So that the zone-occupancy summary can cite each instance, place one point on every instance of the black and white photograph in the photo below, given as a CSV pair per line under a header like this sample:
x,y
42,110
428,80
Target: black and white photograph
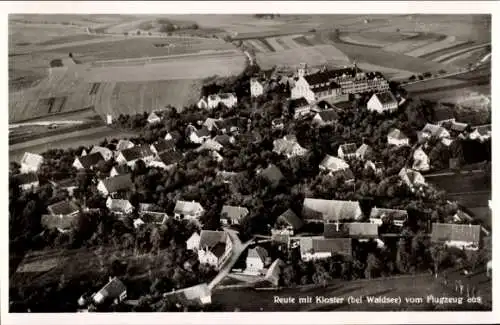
x,y
249,162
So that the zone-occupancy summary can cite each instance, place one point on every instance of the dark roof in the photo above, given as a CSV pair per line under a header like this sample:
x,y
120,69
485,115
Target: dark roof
x,y
386,97
122,169
328,75
456,232
330,230
137,152
298,102
346,173
63,207
329,115
348,148
291,218
90,159
272,174
61,222
170,157
203,132
328,86
235,213
210,238
320,244
68,182
164,145
153,217
113,289
118,183
231,122
27,178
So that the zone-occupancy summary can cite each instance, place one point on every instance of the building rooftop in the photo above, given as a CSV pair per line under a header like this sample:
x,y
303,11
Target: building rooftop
x,y
137,152
63,207
118,183
455,232
326,245
330,210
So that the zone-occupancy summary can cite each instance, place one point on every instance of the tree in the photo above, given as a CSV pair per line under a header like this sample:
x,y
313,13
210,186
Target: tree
x,y
155,238
138,32
373,266
438,254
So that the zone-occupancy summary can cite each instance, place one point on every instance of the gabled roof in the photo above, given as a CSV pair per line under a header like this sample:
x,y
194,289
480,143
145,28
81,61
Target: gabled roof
x,y
153,217
433,129
274,271
122,169
235,213
211,122
335,230
298,102
330,210
455,232
391,214
410,174
325,245
287,147
103,150
61,222
223,139
291,218
170,157
90,159
210,144
28,178
31,159
118,205
258,252
328,115
124,144
348,148
187,207
63,207
328,75
272,174
164,145
137,152
189,296
397,134
153,116
113,289
118,183
227,95
333,163
363,150
210,238
148,207
386,97
484,129
363,229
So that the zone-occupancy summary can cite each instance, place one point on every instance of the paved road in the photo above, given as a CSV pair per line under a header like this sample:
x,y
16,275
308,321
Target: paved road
x,y
238,248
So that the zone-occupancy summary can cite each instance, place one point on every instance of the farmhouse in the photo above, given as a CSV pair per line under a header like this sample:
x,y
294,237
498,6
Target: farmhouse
x,y
119,207
197,136
228,99
166,160
420,160
68,184
288,147
113,292
457,235
149,217
257,260
188,210
432,131
31,162
363,152
413,179
162,146
288,223
113,185
316,248
132,155
326,117
299,107
333,164
153,118
397,138
377,166
232,215
382,102
272,174
27,181
320,210
88,161
124,144
226,176
214,248
119,170
105,152
380,215
347,151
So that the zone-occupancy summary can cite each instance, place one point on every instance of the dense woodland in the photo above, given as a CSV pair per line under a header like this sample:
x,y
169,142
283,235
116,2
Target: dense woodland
x,y
195,178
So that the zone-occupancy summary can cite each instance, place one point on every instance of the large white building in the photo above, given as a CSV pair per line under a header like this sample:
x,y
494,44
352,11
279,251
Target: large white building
x,y
228,99
382,102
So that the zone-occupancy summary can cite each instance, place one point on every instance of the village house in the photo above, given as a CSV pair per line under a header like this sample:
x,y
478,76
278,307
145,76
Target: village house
x,y
68,184
362,230
161,146
363,152
166,160
214,248
481,133
113,292
153,118
196,296
432,131
326,117
420,160
333,165
380,215
150,217
413,179
106,153
211,123
62,216
119,206
272,174
397,138
317,248
224,139
377,166
210,144
226,176
232,125
288,223
228,99
189,210
197,136
202,103
124,144
299,107
27,181
88,161
119,170
31,162
320,210
462,236
347,151
461,216
193,242
382,102
257,260
288,147
113,185
132,155
175,136
456,129
274,272
261,83
232,215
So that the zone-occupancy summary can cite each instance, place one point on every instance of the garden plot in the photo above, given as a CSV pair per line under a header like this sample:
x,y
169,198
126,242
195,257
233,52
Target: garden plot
x,y
274,43
413,43
449,41
258,45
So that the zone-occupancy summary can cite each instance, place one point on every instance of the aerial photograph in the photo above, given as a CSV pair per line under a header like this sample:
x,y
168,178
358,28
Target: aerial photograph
x,y
263,162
